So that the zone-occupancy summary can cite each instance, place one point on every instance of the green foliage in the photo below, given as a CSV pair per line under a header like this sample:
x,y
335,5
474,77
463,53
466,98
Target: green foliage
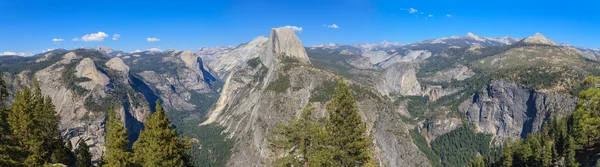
x,y
210,147
84,157
302,142
281,84
34,124
72,81
157,137
117,154
323,92
11,152
340,141
460,146
421,143
254,62
587,115
350,145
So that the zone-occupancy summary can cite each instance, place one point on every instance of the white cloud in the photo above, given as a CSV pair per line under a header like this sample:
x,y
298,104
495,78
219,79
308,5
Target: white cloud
x,y
333,26
57,40
430,16
152,39
155,50
137,51
94,37
412,10
449,15
294,28
75,39
116,37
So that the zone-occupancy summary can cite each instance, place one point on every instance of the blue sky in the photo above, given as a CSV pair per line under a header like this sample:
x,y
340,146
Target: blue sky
x,y
30,26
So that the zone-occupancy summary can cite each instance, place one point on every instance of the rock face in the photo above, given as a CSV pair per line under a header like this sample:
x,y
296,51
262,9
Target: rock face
x,y
87,68
179,87
284,45
400,79
118,65
224,59
458,73
507,110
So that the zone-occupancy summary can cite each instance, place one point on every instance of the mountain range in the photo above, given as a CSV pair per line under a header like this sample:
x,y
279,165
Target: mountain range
x,y
229,98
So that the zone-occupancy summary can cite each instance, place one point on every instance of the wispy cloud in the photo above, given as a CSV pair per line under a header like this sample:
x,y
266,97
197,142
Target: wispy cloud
x,y
449,15
335,26
99,36
116,37
412,10
75,39
429,15
57,40
152,39
294,28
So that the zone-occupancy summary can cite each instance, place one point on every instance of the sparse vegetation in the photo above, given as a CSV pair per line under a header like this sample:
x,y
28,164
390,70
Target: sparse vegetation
x,y
280,85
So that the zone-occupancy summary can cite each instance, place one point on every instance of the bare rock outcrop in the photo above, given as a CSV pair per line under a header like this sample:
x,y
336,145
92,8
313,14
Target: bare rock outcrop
x,y
399,78
507,110
87,68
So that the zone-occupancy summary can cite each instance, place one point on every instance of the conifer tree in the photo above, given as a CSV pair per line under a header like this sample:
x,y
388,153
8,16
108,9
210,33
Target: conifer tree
x,y
570,159
586,118
506,157
33,121
346,129
117,154
11,153
303,141
158,144
84,157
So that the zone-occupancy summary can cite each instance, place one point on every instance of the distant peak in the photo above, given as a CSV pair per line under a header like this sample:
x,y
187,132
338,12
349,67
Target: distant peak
x,y
538,38
473,36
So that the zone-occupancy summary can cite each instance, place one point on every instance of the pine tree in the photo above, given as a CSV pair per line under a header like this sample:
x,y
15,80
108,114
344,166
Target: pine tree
x,y
346,129
506,157
84,157
11,153
33,121
303,141
570,159
586,118
22,120
158,144
117,154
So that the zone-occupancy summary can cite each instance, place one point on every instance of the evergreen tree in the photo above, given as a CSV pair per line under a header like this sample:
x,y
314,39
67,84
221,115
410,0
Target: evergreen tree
x,y
303,142
587,114
33,121
158,144
84,157
117,154
11,153
22,122
506,157
350,145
